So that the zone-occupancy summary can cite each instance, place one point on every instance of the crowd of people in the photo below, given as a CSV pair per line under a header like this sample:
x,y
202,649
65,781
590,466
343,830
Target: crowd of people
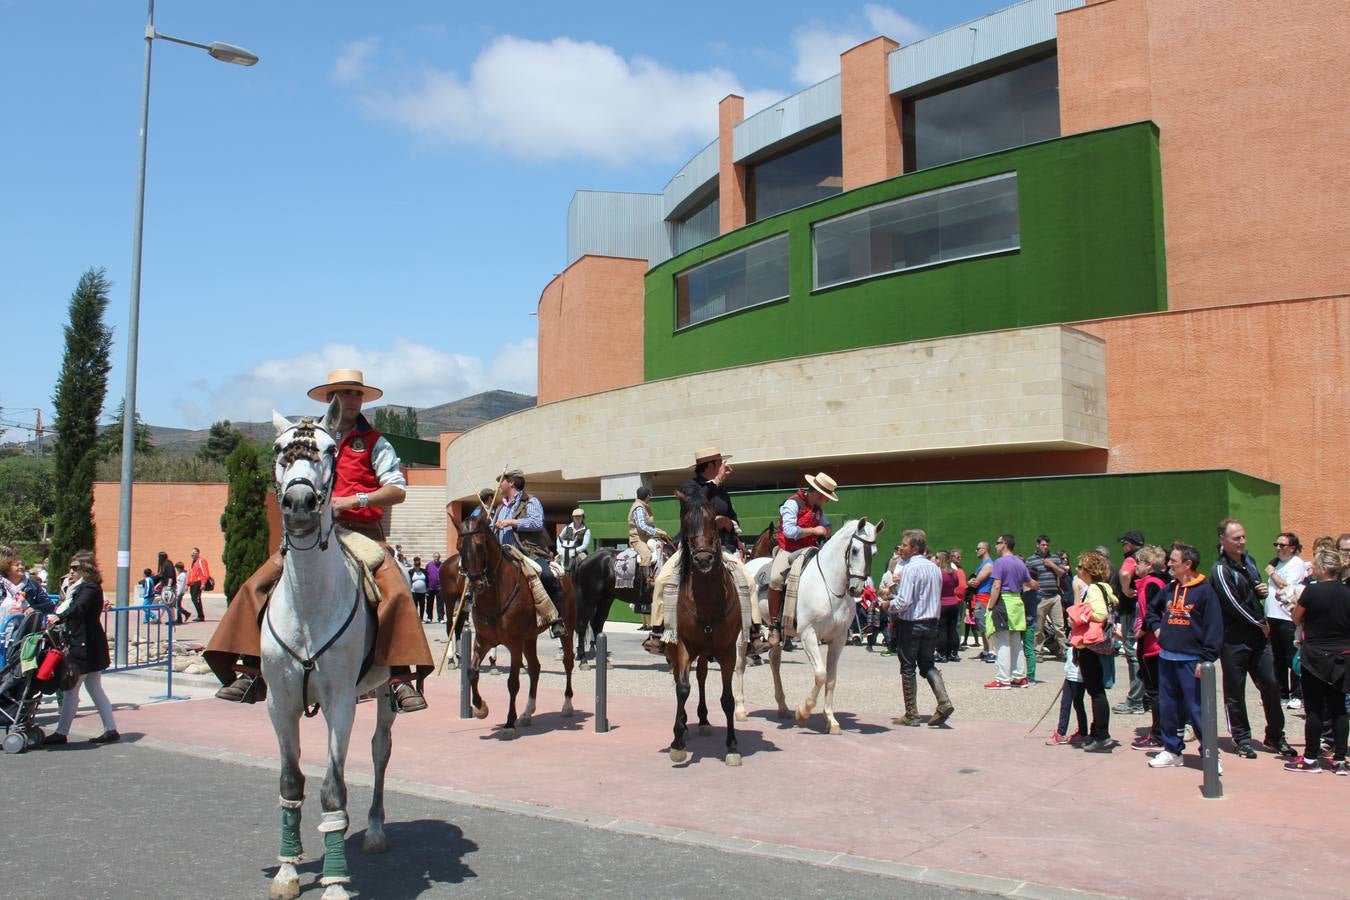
x,y
170,583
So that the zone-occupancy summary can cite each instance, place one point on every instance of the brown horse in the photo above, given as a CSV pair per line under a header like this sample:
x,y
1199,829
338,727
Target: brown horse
x,y
766,543
503,613
708,625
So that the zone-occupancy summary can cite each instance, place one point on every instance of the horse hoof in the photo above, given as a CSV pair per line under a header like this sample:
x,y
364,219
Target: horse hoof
x,y
733,759
567,709
705,730
801,717
284,890
374,842
742,715
835,729
783,712
609,663
524,721
584,665
507,734
480,712
679,756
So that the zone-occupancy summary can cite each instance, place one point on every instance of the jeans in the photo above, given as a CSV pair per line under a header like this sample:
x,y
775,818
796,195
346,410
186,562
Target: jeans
x,y
70,703
951,617
1050,618
1254,659
1090,665
1136,694
1071,700
980,612
1009,662
1282,651
918,641
1324,704
1179,699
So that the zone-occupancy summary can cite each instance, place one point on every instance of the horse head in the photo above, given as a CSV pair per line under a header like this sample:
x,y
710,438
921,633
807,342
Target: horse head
x,y
304,468
477,547
862,546
698,524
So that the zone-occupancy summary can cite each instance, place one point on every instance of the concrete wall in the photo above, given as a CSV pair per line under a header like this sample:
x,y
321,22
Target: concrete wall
x,y
172,517
590,328
1250,99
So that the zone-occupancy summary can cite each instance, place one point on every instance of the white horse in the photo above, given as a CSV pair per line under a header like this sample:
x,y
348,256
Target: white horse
x,y
826,596
317,633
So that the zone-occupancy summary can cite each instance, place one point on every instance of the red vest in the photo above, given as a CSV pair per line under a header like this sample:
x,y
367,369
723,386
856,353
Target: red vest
x,y
356,473
807,517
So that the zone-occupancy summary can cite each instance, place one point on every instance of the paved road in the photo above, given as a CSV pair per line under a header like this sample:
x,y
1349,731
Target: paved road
x,y
127,821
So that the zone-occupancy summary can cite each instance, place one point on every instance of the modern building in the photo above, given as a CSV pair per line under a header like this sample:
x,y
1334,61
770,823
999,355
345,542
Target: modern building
x,y
1075,267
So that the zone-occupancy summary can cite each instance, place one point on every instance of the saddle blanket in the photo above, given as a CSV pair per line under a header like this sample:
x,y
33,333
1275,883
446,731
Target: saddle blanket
x,y
369,554
799,561
625,568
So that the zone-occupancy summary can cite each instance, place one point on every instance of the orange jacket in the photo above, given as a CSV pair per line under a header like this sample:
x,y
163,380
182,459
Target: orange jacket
x,y
199,571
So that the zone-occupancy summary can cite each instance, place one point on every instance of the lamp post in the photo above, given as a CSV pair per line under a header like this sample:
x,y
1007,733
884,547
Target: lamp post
x,y
225,53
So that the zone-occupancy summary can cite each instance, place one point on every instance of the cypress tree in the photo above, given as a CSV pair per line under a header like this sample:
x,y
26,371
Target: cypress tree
x,y
244,521
80,390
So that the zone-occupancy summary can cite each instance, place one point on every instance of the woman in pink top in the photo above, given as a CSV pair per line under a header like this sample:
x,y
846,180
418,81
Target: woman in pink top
x,y
1148,586
951,609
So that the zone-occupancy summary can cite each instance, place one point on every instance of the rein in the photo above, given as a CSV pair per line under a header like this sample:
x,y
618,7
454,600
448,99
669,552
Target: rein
x,y
303,446
869,548
308,664
485,578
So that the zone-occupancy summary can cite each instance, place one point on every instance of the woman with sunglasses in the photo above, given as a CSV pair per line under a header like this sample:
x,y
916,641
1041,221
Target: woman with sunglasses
x,y
1285,575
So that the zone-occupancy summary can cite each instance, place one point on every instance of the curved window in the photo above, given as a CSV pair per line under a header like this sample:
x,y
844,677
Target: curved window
x,y
951,223
802,175
741,279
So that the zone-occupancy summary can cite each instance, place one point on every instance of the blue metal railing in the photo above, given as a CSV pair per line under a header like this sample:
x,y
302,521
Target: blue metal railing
x,y
151,629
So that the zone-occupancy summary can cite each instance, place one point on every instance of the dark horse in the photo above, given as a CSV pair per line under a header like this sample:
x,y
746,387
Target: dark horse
x,y
594,580
708,621
503,613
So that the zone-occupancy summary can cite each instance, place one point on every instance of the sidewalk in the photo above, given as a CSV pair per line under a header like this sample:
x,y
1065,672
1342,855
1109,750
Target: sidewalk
x,y
979,797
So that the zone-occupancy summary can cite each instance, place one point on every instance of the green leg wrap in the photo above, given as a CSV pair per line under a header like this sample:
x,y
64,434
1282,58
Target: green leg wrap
x,y
334,856
290,834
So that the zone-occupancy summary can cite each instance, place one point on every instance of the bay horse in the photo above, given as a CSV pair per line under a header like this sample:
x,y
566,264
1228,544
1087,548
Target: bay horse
x,y
503,613
595,583
708,625
827,593
766,543
318,634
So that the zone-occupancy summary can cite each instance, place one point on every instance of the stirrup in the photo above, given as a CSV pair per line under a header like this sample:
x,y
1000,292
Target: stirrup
x,y
244,689
758,643
654,644
406,699
557,628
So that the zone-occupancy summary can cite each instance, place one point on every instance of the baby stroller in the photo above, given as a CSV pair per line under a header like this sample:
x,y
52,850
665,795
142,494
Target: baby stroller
x,y
21,691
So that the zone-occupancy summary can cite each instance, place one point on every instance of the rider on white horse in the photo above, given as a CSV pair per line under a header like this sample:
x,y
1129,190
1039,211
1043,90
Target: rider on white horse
x,y
367,479
803,524
519,523
711,469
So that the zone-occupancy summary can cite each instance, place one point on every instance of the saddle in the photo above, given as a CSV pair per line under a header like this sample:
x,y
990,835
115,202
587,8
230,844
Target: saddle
x,y
796,563
369,555
625,568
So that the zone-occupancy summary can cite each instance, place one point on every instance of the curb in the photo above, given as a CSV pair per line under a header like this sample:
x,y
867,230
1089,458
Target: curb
x,y
985,884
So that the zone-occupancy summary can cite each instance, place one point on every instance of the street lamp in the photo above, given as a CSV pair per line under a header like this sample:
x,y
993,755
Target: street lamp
x,y
225,53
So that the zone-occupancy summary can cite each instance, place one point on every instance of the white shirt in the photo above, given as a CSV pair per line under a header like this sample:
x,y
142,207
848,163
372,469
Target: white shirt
x,y
1278,602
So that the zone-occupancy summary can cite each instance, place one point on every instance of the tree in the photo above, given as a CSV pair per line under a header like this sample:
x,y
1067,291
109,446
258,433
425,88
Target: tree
x,y
220,442
30,498
244,521
389,420
110,440
80,390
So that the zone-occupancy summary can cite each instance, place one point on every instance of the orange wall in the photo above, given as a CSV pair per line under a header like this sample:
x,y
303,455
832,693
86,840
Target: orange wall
x,y
169,517
1250,100
731,182
868,114
590,328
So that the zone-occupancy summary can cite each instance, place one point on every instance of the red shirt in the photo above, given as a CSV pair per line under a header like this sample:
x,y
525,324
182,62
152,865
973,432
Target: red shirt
x,y
356,473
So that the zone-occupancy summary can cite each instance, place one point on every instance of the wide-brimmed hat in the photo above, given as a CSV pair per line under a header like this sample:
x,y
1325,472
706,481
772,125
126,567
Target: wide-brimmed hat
x,y
823,484
579,512
345,380
707,454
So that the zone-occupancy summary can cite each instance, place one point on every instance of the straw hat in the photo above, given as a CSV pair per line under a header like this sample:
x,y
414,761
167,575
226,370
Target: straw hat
x,y
823,484
707,454
579,512
345,379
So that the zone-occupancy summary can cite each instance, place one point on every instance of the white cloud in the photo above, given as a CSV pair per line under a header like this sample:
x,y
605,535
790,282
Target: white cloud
x,y
817,47
410,374
564,99
351,64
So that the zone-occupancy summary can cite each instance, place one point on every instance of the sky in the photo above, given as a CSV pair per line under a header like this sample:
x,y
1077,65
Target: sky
x,y
386,189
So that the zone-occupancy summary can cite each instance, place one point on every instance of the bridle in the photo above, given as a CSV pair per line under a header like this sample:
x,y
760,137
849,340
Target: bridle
x,y
478,581
856,581
303,447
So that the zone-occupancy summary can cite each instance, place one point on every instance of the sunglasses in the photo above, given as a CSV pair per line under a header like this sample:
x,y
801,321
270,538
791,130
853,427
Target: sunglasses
x,y
1279,546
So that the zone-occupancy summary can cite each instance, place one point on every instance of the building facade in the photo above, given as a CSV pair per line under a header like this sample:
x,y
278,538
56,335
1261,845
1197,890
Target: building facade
x,y
1074,266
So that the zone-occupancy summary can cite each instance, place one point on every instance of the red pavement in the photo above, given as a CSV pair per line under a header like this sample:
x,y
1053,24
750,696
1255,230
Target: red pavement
x,y
978,797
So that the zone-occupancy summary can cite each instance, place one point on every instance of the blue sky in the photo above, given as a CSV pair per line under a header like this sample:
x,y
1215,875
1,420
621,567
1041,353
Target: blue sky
x,y
387,188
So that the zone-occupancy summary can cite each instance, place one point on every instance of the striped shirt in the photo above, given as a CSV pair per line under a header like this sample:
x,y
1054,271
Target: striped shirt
x,y
918,594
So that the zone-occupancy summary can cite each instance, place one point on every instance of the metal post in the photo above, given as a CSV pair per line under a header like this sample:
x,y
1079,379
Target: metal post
x,y
1209,737
133,338
601,677
168,660
465,660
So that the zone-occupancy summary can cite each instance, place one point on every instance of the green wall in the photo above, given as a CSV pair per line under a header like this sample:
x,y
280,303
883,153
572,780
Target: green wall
x,y
1090,209
1077,511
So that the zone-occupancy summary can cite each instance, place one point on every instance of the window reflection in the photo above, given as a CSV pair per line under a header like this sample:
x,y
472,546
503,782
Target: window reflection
x,y
747,277
800,176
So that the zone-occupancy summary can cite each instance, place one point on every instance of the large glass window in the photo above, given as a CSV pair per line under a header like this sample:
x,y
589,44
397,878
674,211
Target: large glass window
x,y
747,277
702,224
957,222
1008,109
800,176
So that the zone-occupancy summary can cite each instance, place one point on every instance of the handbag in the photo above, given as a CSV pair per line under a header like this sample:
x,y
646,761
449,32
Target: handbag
x,y
1099,637
210,583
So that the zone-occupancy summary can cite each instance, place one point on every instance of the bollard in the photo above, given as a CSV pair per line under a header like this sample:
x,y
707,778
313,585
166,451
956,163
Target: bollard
x,y
121,621
465,660
601,676
1209,737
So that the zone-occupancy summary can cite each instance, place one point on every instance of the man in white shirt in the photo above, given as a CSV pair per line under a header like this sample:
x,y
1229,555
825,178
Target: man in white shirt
x,y
916,607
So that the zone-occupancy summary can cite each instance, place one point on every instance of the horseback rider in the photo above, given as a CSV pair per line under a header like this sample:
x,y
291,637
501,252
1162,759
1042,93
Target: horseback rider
x,y
642,527
367,479
519,523
574,544
803,524
711,470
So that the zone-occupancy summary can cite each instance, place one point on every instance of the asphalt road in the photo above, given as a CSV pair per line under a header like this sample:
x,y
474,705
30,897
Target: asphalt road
x,y
123,821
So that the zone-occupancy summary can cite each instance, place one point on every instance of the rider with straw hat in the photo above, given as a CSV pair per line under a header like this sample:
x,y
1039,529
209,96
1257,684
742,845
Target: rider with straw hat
x,y
802,524
367,480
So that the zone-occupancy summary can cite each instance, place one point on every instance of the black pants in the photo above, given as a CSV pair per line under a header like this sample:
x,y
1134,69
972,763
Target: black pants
x,y
917,642
1071,700
1282,651
1323,703
195,590
1255,659
420,601
1148,677
435,604
948,624
1090,665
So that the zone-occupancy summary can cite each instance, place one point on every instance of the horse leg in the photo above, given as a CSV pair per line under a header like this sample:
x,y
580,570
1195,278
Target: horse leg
x,y
581,658
566,711
680,667
775,667
381,746
831,673
532,669
812,648
339,716
476,704
508,732
739,693
598,625
733,757
286,723
704,726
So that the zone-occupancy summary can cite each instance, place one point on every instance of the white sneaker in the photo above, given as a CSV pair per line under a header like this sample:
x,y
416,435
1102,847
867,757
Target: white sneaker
x,y
1295,703
1165,759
